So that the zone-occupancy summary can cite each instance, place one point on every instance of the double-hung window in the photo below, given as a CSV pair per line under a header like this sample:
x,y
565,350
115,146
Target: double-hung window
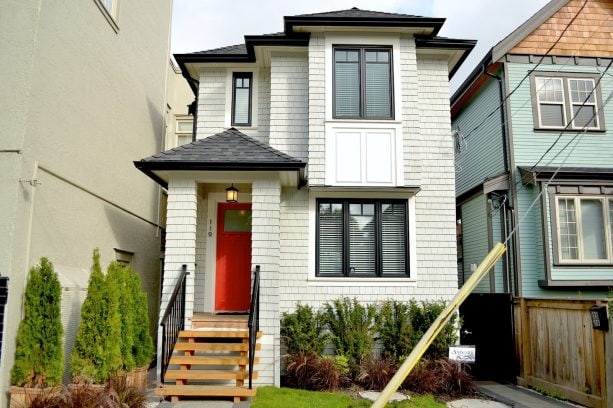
x,y
363,83
242,83
362,238
566,101
584,233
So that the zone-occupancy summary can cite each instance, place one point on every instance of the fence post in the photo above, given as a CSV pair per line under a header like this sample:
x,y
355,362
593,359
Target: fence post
x,y
526,342
607,391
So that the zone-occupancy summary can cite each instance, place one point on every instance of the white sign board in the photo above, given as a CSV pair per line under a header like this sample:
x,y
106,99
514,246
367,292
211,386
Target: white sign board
x,y
462,354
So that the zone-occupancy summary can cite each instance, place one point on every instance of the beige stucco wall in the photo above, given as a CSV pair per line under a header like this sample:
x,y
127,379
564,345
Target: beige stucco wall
x,y
83,101
178,96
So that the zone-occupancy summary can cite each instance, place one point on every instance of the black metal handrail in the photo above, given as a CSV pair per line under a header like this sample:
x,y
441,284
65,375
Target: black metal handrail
x,y
254,320
173,320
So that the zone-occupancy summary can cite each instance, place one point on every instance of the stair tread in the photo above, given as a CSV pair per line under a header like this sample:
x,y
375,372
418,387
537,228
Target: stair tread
x,y
184,346
205,391
211,360
208,375
216,333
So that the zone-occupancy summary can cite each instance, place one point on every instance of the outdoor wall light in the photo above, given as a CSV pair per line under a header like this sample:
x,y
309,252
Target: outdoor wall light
x,y
232,194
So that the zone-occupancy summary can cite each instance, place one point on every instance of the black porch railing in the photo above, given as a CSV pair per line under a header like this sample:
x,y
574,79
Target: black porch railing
x,y
254,321
173,320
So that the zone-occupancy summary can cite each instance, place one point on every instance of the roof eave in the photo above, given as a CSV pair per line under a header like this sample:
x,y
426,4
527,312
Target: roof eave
x,y
419,22
452,44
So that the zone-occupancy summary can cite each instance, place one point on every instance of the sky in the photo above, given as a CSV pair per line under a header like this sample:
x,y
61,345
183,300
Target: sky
x,y
205,24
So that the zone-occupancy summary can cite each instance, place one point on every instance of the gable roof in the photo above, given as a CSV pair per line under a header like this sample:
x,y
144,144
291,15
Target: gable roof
x,y
227,150
547,22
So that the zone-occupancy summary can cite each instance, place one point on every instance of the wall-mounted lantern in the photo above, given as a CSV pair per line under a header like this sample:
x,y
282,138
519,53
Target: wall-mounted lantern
x,y
232,194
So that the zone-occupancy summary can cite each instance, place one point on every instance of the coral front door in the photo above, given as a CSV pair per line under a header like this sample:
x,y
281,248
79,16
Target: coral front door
x,y
233,267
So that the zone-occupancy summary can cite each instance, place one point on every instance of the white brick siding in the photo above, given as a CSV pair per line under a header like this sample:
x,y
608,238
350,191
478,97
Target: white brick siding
x,y
289,104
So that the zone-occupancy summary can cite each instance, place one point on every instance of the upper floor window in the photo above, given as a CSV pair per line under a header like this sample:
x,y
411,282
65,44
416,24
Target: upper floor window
x,y
584,230
241,98
566,101
362,86
184,127
362,238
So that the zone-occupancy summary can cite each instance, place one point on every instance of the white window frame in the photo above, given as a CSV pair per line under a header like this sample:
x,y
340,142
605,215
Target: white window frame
x,y
348,281
594,104
567,103
607,200
182,118
539,103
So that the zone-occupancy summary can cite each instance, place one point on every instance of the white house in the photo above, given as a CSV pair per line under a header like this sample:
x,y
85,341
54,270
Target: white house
x,y
336,132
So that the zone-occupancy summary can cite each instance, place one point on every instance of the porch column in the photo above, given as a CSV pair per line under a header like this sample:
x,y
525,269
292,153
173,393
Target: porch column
x,y
181,222
266,201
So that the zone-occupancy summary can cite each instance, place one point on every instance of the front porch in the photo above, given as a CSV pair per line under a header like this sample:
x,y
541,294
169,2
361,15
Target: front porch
x,y
215,245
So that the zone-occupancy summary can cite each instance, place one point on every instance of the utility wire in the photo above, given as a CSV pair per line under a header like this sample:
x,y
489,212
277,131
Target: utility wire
x,y
529,71
559,167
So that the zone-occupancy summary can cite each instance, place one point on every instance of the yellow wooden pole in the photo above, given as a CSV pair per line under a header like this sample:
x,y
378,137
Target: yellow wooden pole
x,y
421,347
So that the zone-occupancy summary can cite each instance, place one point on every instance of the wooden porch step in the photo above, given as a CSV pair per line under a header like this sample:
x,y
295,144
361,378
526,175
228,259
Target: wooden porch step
x,y
205,391
201,334
208,375
211,360
214,346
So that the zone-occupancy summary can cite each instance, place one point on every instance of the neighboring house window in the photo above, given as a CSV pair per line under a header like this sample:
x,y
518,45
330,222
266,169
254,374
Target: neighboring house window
x,y
362,82
362,238
241,98
566,101
584,229
184,127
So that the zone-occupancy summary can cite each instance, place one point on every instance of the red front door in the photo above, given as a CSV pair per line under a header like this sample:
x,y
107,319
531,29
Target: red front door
x,y
233,275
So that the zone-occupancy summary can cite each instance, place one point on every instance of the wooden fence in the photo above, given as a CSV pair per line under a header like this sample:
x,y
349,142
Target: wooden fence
x,y
559,351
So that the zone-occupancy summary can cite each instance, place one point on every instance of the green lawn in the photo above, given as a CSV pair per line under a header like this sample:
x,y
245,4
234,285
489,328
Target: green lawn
x,y
273,397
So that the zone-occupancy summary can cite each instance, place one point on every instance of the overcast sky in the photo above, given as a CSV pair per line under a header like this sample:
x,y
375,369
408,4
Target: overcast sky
x,y
205,24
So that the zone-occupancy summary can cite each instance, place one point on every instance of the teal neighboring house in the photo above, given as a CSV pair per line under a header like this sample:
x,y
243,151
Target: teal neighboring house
x,y
543,162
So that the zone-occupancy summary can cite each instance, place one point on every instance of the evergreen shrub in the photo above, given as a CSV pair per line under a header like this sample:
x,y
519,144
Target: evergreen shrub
x,y
97,352
303,331
39,355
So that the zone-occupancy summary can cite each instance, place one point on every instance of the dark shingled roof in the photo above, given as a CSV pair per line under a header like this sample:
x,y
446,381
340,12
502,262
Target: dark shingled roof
x,y
229,50
357,13
228,150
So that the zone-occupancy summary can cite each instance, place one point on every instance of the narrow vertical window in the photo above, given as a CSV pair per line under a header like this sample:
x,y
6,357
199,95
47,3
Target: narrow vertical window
x,y
241,98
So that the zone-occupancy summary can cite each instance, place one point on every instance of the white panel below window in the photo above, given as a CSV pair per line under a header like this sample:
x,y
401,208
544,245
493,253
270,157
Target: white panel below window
x,y
380,161
364,154
348,157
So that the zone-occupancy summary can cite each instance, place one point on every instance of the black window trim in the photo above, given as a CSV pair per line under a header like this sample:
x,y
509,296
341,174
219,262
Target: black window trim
x,y
345,273
362,61
243,75
567,104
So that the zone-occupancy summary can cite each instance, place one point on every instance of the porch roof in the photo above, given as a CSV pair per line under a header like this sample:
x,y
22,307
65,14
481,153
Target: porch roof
x,y
225,151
